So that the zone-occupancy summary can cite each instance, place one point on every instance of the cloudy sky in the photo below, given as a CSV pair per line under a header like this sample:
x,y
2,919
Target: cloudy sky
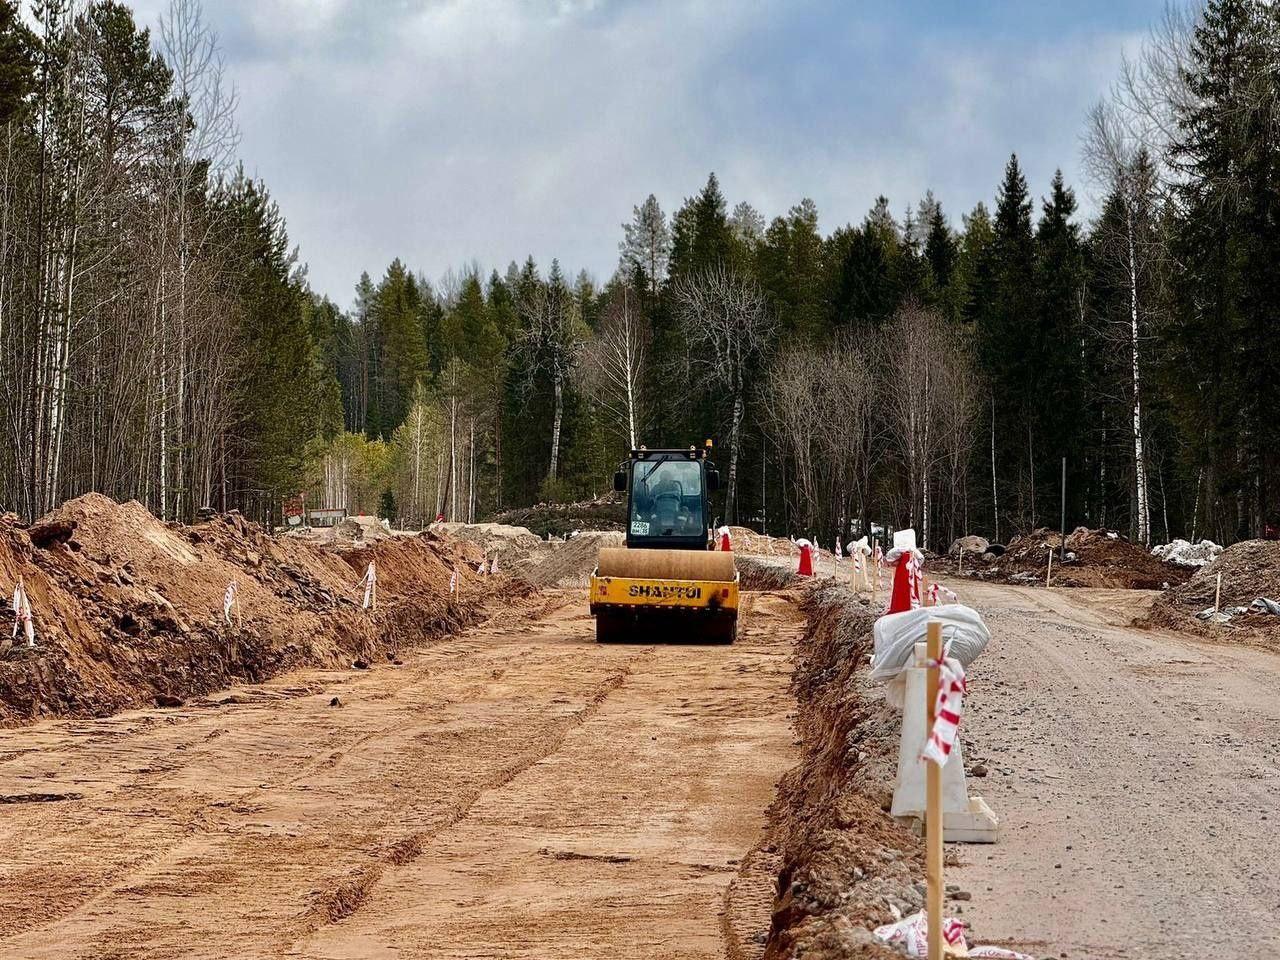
x,y
445,132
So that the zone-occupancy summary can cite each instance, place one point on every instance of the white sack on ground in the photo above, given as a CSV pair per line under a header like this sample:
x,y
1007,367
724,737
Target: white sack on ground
x,y
1187,554
964,637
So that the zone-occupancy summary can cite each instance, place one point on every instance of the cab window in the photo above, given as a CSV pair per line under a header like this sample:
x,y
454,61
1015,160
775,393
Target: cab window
x,y
666,499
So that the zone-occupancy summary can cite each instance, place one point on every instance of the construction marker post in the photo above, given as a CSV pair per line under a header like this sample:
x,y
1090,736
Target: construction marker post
x,y
1217,595
1048,574
933,801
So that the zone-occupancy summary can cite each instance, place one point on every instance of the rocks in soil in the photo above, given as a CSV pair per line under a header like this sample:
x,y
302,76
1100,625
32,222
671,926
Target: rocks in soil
x,y
969,545
1093,558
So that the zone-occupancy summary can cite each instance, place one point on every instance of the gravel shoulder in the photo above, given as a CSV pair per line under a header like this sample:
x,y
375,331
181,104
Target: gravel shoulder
x,y
1137,777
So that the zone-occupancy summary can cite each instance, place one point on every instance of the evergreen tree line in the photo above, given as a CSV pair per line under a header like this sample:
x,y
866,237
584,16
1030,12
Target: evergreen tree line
x,y
160,340
907,369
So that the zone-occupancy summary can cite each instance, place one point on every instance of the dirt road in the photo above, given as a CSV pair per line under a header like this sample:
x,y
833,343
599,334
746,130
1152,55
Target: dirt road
x,y
516,792
1137,776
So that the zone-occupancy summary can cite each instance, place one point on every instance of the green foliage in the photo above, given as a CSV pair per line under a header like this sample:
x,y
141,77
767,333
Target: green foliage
x,y
17,61
287,396
387,506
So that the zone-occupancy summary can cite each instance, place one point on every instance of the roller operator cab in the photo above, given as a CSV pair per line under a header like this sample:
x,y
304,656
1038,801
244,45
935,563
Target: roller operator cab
x,y
666,584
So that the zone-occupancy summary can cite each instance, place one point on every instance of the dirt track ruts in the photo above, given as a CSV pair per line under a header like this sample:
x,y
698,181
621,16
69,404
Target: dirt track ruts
x,y
517,791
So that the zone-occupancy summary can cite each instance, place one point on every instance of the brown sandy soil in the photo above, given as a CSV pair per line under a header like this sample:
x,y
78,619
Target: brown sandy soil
x,y
845,862
1249,569
129,610
1135,774
516,791
1102,559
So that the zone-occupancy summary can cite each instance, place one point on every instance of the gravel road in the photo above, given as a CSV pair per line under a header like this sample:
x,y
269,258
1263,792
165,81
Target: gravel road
x,y
1137,775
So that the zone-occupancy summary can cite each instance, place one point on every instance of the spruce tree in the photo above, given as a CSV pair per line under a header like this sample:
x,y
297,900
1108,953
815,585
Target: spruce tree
x,y
1006,338
1059,383
645,248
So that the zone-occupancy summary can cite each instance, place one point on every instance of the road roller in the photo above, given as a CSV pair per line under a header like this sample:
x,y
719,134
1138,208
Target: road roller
x,y
668,584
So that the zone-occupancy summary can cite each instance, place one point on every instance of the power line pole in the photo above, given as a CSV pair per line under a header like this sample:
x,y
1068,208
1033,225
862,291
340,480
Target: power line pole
x,y
1064,510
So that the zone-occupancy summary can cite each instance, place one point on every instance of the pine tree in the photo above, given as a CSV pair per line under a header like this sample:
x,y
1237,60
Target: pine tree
x,y
940,253
401,347
701,236
1226,233
646,245
17,61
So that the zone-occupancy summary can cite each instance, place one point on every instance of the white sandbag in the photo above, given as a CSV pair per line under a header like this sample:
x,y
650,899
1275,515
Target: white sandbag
x,y
964,637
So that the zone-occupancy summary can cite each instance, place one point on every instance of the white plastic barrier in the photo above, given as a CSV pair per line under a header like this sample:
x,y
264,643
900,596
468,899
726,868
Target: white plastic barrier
x,y
900,659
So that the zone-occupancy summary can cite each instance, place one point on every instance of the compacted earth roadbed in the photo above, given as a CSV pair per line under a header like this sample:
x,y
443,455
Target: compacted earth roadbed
x,y
516,791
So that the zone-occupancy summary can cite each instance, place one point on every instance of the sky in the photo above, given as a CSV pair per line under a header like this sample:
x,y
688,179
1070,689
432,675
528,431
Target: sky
x,y
452,132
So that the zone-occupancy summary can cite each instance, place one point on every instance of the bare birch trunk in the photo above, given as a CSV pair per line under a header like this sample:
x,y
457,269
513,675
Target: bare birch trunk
x,y
555,426
1139,457
731,489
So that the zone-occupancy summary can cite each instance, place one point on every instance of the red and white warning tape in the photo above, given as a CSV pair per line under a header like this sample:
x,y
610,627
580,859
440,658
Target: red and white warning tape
x,y
948,704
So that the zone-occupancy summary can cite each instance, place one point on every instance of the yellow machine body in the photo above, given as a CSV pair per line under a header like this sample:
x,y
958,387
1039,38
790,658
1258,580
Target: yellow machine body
x,y
654,595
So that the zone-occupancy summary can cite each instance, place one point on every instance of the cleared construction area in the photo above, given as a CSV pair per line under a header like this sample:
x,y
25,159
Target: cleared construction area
x,y
466,773
517,791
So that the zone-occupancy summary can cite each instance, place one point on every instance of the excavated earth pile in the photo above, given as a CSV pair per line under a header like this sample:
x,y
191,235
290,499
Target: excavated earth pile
x,y
567,564
129,609
1250,569
607,512
764,573
1095,558
845,862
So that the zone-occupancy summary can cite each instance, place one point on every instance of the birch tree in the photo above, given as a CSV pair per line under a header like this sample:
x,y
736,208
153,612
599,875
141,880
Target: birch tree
x,y
727,326
550,342
613,366
1133,247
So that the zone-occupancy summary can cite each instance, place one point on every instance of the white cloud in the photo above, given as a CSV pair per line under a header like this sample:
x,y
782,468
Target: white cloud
x,y
446,131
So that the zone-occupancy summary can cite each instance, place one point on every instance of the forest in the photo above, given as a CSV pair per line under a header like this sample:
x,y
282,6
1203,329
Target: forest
x,y
925,367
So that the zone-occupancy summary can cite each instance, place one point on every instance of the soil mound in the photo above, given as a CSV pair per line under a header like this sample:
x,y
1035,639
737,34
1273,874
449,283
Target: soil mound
x,y
1094,558
763,573
129,609
845,860
567,564
607,512
1250,569
512,544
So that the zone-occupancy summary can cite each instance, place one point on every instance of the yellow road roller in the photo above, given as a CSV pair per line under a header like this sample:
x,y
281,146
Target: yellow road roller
x,y
667,583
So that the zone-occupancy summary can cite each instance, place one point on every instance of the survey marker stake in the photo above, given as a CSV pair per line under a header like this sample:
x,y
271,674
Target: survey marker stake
x,y
933,800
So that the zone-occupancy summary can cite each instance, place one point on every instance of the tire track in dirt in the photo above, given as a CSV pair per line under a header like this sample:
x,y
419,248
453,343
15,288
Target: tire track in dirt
x,y
337,904
278,825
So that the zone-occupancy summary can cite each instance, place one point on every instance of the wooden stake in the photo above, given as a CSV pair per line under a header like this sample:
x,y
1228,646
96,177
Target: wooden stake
x,y
1048,575
933,802
1217,595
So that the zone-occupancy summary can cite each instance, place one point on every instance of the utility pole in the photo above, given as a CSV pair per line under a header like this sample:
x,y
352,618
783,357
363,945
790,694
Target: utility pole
x,y
1063,557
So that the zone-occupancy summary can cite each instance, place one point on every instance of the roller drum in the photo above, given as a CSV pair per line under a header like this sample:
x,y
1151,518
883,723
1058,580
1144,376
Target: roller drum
x,y
666,564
